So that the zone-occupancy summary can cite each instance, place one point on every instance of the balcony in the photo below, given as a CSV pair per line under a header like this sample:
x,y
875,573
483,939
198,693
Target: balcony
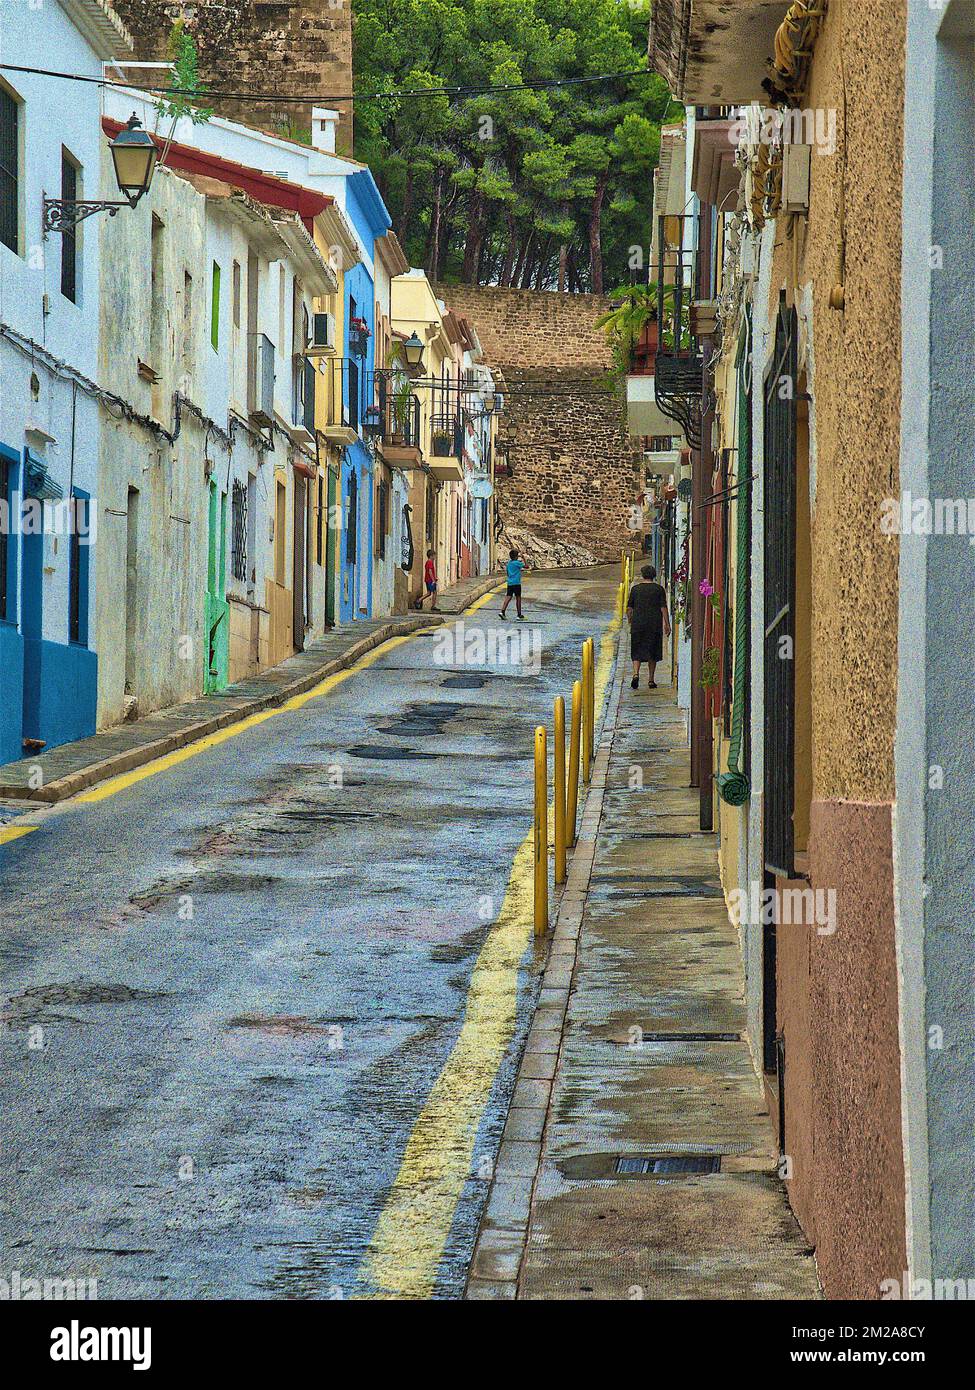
x,y
394,419
343,401
447,448
714,52
678,381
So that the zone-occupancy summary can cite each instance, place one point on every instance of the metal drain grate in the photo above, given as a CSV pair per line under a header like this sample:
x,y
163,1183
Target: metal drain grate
x,y
689,1037
646,1165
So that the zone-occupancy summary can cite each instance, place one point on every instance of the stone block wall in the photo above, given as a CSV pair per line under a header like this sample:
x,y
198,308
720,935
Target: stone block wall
x,y
574,471
284,48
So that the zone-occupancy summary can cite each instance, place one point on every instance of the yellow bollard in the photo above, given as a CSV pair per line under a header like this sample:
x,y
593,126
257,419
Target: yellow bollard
x,y
541,833
572,791
588,708
558,754
623,566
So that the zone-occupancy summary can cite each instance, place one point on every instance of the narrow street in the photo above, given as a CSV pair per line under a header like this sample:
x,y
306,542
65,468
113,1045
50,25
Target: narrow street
x,y
231,986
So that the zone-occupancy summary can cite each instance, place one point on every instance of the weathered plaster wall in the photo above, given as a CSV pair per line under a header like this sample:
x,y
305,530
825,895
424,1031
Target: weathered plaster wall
x,y
837,995
857,411
278,47
574,471
165,661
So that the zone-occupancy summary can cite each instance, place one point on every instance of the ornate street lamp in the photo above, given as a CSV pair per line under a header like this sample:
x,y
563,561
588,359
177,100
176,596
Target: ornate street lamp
x,y
134,154
413,350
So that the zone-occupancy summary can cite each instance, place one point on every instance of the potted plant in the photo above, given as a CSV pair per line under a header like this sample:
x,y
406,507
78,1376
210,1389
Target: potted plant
x,y
359,336
632,327
400,412
443,445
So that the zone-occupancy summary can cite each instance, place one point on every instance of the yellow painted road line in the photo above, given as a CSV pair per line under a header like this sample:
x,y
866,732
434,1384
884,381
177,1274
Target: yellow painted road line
x,y
181,755
480,602
408,1243
14,832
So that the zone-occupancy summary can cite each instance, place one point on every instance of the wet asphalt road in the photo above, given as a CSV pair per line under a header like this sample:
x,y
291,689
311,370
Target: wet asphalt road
x,y
229,988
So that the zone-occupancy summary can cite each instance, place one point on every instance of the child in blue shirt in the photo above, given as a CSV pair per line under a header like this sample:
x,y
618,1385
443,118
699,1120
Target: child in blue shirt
x,y
513,572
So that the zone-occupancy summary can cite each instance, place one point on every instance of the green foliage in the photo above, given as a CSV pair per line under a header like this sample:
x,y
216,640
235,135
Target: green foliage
x,y
511,187
183,94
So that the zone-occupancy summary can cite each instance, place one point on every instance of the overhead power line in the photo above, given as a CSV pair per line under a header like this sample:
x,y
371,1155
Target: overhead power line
x,y
329,98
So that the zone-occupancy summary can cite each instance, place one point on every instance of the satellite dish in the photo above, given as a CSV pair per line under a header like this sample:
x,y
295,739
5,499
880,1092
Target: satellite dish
x,y
480,487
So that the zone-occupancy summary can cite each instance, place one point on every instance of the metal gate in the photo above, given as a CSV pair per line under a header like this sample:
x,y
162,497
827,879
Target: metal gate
x,y
780,593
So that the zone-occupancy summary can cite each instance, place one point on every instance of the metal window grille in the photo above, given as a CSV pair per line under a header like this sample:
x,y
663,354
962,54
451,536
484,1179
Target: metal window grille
x,y
5,498
69,235
238,532
9,169
780,594
352,521
383,500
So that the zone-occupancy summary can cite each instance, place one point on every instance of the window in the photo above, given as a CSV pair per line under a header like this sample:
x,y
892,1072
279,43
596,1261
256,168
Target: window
x,y
215,308
238,541
157,302
236,293
780,594
352,521
382,518
320,522
187,322
282,315
6,489
69,237
9,169
280,533
78,557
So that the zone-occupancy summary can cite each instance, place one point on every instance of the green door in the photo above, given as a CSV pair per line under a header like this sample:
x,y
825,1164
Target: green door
x,y
217,614
331,549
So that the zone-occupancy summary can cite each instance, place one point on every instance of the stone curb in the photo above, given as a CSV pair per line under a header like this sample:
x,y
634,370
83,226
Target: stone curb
x,y
131,758
503,1230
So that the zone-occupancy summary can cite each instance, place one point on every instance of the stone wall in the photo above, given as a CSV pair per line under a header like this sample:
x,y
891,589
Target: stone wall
x,y
574,473
533,328
284,47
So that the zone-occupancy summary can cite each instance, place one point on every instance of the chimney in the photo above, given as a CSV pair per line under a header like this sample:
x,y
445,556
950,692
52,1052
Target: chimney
x,y
324,123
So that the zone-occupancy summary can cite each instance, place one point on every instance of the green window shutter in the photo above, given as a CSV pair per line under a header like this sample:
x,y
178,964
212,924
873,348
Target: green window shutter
x,y
215,309
734,786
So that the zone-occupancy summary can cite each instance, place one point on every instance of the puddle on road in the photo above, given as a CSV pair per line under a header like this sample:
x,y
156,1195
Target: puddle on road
x,y
376,752
34,1005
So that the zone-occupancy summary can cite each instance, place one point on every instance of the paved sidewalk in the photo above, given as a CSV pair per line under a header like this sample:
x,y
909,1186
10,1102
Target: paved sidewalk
x,y
643,952
71,767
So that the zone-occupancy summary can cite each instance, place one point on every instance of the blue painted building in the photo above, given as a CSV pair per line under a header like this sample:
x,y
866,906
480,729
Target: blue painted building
x,y
366,211
50,416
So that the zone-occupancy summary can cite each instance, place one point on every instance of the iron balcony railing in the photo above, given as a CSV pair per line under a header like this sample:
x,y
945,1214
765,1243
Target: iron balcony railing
x,y
679,365
447,435
345,396
393,414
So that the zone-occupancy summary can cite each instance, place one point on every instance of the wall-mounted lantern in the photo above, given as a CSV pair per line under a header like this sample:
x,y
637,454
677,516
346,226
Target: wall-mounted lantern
x,y
413,350
134,155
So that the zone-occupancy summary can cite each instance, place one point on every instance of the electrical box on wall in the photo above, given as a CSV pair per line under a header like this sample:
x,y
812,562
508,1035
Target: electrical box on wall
x,y
795,178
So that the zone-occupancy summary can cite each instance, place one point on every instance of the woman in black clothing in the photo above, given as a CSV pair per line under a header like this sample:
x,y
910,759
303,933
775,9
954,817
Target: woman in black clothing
x,y
649,622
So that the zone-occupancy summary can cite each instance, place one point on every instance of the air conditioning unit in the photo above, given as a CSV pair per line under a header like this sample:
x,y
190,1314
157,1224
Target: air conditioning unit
x,y
795,178
322,335
263,409
749,257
